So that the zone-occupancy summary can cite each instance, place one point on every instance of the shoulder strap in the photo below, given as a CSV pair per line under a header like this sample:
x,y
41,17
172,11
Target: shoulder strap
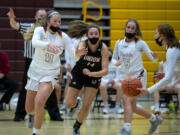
x,y
45,29
59,33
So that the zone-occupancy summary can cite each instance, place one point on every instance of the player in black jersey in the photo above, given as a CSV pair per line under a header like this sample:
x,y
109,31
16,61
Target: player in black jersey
x,y
88,71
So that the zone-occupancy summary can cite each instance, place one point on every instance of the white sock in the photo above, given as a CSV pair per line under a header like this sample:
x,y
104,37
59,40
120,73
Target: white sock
x,y
118,104
105,103
36,131
127,126
156,105
153,117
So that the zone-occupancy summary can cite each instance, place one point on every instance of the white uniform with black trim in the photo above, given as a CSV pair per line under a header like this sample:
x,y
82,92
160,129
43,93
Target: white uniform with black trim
x,y
45,65
111,73
172,69
130,53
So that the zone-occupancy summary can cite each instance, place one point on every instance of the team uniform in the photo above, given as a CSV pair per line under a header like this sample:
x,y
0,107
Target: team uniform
x,y
111,75
172,68
130,53
68,57
45,65
91,61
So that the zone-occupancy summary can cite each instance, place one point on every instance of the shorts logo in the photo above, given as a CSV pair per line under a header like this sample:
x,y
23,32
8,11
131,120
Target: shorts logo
x,y
94,81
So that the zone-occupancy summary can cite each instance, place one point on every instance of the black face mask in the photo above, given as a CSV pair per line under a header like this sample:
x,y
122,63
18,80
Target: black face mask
x,y
130,35
93,40
110,58
54,29
158,42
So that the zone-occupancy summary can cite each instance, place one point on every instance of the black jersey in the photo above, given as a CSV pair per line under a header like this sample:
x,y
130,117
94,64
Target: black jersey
x,y
91,61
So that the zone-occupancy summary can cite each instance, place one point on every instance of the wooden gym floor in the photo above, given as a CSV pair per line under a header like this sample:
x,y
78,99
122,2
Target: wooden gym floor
x,y
96,124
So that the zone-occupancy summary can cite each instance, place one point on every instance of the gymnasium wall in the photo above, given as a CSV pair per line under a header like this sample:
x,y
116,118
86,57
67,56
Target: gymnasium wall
x,y
10,40
149,14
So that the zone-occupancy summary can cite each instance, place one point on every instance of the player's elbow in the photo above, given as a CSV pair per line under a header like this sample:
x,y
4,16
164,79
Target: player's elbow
x,y
105,71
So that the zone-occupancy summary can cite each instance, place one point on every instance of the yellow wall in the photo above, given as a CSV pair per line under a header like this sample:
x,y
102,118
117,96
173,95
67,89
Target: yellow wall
x,y
149,14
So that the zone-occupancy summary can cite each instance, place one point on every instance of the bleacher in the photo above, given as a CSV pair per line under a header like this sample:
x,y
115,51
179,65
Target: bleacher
x,y
149,14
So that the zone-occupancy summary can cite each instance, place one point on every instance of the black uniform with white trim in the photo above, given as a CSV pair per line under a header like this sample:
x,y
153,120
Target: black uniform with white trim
x,y
91,61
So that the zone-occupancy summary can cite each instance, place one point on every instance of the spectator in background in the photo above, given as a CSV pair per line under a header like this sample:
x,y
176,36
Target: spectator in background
x,y
28,54
7,83
109,80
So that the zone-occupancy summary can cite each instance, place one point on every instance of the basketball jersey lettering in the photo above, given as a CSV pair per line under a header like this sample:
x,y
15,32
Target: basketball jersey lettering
x,y
49,58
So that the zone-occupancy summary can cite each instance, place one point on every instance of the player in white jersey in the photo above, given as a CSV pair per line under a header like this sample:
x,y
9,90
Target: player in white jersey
x,y
169,86
165,35
109,80
128,54
49,43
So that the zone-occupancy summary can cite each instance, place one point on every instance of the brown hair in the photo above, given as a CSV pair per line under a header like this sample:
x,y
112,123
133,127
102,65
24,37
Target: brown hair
x,y
138,31
168,32
78,28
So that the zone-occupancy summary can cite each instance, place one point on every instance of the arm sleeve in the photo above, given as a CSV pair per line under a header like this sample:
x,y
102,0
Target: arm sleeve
x,y
36,39
171,57
146,49
69,46
67,58
115,55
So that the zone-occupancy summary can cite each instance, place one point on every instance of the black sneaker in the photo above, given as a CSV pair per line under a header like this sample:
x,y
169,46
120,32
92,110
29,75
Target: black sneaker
x,y
57,119
1,107
18,118
35,134
75,131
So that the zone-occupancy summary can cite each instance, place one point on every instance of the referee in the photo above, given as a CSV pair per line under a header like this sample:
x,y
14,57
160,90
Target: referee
x,y
51,104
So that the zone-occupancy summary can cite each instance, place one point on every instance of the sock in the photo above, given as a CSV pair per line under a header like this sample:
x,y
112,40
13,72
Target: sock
x,y
156,105
153,117
118,104
105,103
77,125
127,126
35,131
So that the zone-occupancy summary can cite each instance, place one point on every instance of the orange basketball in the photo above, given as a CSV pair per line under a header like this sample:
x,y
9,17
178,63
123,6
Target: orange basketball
x,y
130,85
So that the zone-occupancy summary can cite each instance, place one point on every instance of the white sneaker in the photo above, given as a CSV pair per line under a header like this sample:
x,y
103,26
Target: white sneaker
x,y
30,121
155,124
120,110
124,132
106,109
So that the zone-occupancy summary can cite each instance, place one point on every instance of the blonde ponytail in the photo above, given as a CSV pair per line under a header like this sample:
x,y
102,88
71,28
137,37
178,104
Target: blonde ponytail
x,y
29,34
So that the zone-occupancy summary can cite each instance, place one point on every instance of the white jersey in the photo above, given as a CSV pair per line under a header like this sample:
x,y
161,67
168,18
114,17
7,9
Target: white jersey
x,y
172,68
111,75
68,57
165,68
45,62
130,53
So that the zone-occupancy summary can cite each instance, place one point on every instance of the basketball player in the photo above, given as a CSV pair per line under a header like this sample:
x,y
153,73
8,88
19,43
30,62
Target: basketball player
x,y
69,66
110,81
128,53
49,42
87,73
51,104
165,35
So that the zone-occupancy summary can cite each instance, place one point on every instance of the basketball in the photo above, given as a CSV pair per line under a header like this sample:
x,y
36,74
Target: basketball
x,y
130,85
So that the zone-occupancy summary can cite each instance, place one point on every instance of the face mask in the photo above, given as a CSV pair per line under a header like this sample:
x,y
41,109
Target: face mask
x,y
93,40
129,35
110,58
158,42
54,29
